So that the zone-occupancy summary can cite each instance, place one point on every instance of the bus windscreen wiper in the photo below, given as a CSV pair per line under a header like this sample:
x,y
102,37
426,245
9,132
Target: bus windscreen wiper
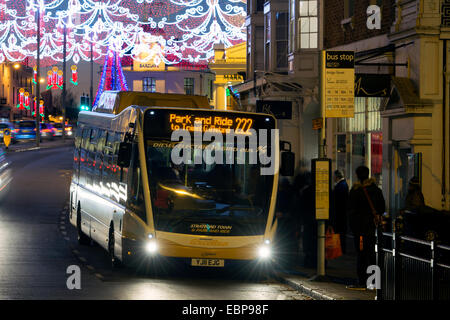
x,y
234,208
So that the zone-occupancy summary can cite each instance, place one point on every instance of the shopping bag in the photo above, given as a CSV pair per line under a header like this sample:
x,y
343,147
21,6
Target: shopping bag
x,y
333,248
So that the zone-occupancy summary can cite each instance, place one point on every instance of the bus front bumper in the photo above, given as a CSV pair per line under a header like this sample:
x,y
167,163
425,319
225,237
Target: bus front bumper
x,y
138,251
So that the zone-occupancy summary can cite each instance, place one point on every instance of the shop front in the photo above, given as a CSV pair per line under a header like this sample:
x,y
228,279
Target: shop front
x,y
359,140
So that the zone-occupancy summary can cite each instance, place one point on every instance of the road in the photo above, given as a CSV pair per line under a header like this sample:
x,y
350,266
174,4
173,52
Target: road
x,y
37,244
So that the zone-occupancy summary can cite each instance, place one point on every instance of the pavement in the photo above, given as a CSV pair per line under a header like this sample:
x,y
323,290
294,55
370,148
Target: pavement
x,y
340,273
31,145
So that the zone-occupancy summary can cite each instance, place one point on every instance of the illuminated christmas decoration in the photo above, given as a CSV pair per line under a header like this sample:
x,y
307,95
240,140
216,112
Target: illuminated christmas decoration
x,y
186,30
60,79
35,75
112,77
27,100
74,78
41,109
54,78
21,104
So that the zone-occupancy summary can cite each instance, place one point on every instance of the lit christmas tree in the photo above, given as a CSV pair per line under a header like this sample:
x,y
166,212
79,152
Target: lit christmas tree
x,y
112,75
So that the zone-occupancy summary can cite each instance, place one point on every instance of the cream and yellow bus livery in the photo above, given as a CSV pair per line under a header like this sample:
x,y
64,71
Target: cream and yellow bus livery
x,y
131,198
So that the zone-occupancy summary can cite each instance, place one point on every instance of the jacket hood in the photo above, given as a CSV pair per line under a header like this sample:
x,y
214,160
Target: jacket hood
x,y
365,183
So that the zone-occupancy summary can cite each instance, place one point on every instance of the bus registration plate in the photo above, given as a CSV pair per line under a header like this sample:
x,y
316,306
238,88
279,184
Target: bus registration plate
x,y
208,262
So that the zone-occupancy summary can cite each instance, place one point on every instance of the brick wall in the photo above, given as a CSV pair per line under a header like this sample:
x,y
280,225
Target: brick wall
x,y
334,35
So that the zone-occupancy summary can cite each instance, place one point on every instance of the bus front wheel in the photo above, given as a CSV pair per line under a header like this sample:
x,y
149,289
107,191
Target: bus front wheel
x,y
111,245
82,238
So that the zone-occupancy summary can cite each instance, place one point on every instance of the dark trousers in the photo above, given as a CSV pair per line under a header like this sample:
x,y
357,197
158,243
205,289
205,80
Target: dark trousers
x,y
365,257
343,237
309,239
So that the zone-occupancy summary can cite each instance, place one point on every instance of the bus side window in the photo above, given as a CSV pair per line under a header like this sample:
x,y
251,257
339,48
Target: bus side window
x,y
108,169
114,176
121,173
76,155
136,193
78,138
91,158
83,155
98,160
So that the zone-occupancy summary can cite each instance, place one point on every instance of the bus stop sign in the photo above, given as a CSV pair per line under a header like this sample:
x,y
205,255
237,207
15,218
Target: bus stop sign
x,y
7,137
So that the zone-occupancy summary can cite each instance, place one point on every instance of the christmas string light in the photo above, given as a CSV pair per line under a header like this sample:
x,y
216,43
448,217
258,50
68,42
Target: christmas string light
x,y
186,30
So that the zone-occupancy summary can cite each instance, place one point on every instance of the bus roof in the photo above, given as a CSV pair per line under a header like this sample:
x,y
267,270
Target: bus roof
x,y
116,101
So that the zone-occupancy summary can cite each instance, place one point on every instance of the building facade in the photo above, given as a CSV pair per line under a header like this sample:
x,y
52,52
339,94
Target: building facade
x,y
13,77
400,127
196,80
284,39
229,66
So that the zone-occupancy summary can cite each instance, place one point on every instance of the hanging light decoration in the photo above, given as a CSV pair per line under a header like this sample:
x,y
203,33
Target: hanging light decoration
x,y
74,78
27,100
186,29
21,104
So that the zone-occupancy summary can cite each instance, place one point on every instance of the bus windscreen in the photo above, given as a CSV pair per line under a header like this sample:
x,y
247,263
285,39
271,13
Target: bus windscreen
x,y
215,198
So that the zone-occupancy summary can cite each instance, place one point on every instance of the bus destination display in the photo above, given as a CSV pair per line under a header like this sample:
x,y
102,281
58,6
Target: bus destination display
x,y
222,124
162,122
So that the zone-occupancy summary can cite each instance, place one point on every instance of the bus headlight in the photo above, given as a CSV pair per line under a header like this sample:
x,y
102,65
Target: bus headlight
x,y
265,252
151,247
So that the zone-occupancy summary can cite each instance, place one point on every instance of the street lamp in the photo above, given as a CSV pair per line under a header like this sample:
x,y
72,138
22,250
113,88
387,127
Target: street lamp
x,y
16,65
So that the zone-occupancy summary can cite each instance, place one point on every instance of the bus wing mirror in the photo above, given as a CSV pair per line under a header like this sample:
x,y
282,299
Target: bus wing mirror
x,y
287,163
124,156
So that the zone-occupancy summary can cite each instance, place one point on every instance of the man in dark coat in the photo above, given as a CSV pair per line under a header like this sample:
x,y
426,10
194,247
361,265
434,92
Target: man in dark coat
x,y
365,206
338,217
307,218
287,247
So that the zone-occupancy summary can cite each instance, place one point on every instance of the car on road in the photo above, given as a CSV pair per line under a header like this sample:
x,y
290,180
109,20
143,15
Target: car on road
x,y
58,129
7,125
25,130
47,131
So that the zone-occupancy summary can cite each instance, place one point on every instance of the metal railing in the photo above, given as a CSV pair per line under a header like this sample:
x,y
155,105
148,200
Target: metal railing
x,y
412,269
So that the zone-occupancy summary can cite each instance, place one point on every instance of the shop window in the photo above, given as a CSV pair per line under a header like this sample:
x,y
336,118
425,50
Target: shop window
x,y
358,153
189,86
149,85
341,155
376,148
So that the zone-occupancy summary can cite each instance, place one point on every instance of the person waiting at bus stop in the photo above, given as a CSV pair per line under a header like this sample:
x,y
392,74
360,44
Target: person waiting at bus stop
x,y
286,230
307,218
338,214
365,208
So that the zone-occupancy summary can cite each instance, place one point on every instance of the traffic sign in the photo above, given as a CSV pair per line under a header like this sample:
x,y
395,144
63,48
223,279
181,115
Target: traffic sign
x,y
317,123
